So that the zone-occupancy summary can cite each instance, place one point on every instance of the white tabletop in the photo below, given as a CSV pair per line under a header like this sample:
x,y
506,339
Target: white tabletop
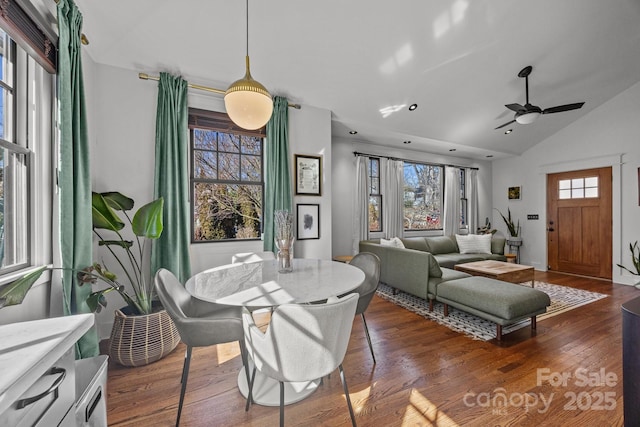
x,y
258,284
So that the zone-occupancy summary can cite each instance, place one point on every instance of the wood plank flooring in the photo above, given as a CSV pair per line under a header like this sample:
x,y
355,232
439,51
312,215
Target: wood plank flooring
x,y
426,375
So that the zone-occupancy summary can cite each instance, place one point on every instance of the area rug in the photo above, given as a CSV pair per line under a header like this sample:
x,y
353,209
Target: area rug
x,y
563,299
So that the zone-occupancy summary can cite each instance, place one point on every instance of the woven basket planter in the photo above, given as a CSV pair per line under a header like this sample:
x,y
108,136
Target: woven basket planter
x,y
142,339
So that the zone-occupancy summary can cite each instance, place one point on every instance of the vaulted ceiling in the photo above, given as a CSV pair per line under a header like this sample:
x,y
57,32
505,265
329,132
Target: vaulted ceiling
x,y
367,60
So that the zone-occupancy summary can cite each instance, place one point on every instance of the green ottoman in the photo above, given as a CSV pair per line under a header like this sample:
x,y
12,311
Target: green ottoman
x,y
494,300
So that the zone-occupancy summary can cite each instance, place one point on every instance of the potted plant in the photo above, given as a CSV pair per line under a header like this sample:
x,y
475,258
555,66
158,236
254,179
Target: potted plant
x,y
635,260
156,335
514,229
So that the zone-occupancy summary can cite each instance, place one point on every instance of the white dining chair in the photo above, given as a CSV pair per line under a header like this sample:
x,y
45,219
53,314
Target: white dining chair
x,y
303,342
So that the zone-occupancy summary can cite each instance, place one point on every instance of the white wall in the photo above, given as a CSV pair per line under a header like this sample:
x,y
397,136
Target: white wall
x,y
344,170
123,150
605,136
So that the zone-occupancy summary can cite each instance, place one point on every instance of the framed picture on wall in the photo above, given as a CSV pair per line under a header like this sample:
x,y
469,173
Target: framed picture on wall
x,y
308,221
514,193
308,173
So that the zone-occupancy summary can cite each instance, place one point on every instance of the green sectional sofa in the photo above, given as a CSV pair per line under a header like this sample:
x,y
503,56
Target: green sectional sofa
x,y
425,262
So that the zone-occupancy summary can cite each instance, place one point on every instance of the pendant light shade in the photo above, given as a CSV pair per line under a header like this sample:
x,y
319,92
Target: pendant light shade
x,y
248,103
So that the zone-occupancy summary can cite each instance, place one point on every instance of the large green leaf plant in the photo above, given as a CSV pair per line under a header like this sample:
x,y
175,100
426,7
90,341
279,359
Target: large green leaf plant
x,y
146,224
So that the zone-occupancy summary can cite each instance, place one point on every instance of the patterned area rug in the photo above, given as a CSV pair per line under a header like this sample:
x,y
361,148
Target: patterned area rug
x,y
563,299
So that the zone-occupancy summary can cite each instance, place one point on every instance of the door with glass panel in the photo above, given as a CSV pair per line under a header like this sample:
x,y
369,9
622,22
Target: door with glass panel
x,y
579,223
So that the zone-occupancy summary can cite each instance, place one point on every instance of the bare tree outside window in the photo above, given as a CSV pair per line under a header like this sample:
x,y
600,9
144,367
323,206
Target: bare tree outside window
x,y
227,183
423,192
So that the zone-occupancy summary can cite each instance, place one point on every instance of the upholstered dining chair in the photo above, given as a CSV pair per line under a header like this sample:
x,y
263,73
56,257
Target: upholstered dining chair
x,y
303,342
199,323
252,257
369,263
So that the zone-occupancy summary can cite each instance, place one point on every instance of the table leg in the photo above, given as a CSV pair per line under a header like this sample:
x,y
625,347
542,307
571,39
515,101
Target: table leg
x,y
266,391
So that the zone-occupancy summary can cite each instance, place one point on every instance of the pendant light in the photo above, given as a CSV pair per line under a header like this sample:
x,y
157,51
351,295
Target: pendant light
x,y
248,103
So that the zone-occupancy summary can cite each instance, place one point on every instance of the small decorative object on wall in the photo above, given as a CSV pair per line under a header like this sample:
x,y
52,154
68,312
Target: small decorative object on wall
x,y
308,217
308,175
515,193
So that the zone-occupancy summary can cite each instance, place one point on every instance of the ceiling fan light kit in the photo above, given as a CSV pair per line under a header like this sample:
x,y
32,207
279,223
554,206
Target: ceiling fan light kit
x,y
528,113
248,103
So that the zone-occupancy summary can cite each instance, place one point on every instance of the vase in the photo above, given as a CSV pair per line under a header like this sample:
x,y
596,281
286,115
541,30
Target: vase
x,y
138,340
284,255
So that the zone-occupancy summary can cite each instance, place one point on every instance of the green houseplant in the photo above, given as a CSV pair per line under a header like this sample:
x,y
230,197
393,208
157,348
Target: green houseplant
x,y
514,229
145,224
142,331
635,260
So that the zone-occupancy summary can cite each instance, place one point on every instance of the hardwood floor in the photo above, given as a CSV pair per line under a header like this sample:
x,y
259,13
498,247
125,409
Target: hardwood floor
x,y
426,375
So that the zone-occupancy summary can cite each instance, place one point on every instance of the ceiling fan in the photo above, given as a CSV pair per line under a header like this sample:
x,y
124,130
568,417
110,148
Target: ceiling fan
x,y
529,113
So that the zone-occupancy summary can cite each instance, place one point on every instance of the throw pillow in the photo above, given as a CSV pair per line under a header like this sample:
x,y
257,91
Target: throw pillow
x,y
474,243
394,242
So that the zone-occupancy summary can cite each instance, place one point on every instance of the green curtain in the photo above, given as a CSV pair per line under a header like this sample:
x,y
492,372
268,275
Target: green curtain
x,y
171,250
277,194
74,179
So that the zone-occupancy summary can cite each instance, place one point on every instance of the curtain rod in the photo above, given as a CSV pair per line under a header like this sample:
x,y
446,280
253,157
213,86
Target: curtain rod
x,y
145,76
356,153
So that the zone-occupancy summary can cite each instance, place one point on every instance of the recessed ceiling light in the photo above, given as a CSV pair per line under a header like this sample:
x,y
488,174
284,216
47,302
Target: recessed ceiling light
x,y
406,142
508,131
490,155
452,149
353,132
413,107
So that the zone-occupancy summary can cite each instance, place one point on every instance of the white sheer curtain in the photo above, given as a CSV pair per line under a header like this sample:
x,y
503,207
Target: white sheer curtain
x,y
392,197
471,187
451,200
361,203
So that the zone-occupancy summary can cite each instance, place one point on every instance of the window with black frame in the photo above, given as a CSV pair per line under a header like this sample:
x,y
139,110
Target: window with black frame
x,y
227,181
375,196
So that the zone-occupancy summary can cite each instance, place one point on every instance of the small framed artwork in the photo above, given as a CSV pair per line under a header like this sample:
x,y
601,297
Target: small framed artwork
x,y
308,175
515,193
308,218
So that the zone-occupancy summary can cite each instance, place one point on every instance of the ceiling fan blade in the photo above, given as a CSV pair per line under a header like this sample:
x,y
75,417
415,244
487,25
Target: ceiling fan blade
x,y
561,108
506,124
515,107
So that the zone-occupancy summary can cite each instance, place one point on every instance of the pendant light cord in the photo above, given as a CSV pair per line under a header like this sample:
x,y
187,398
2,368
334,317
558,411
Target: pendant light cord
x,y
247,3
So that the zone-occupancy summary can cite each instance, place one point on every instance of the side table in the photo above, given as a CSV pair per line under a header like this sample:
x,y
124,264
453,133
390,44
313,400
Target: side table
x,y
343,258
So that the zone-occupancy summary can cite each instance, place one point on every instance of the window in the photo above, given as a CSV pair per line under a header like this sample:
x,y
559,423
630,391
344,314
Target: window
x,y
14,167
463,199
226,178
578,188
423,195
375,198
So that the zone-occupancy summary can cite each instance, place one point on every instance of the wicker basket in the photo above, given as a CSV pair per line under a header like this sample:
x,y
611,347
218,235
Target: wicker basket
x,y
142,339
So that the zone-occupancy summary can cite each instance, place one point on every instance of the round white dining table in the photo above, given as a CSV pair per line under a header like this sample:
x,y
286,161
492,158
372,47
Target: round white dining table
x,y
258,284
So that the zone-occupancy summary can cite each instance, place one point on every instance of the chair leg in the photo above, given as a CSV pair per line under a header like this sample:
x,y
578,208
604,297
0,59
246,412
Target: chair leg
x,y
250,393
245,359
183,380
346,394
366,330
281,404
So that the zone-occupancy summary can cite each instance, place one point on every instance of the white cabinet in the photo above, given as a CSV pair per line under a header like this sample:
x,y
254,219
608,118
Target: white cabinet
x,y
37,370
